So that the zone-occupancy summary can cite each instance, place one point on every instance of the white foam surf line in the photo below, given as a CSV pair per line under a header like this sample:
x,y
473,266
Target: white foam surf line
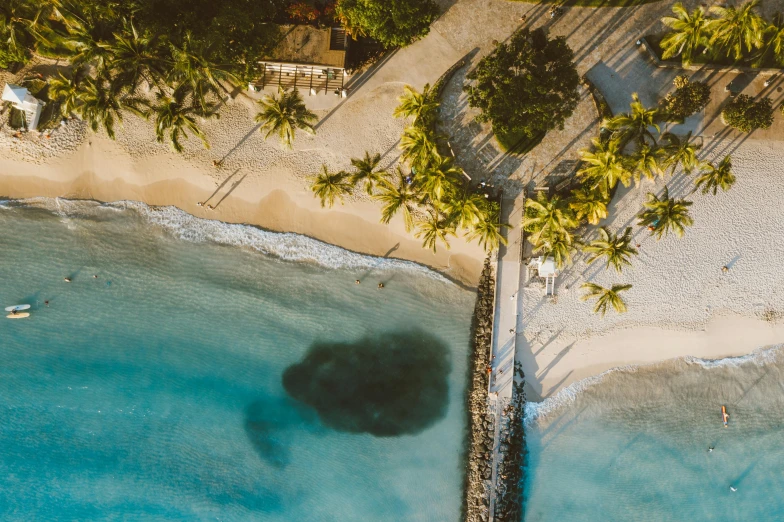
x,y
283,245
537,410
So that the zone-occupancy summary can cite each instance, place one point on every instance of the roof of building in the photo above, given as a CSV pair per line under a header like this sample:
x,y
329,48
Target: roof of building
x,y
14,93
308,45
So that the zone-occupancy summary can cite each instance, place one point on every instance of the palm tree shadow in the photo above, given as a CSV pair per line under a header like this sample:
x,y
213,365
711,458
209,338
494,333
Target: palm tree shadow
x,y
239,144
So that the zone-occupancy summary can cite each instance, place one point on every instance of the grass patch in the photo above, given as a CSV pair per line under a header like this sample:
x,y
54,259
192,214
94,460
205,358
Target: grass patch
x,y
518,143
590,3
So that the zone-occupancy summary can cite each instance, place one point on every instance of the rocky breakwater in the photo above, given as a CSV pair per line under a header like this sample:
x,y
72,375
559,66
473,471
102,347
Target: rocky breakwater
x,y
481,423
509,486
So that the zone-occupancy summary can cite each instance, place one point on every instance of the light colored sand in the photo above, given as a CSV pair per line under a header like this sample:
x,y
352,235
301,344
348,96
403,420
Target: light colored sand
x,y
681,302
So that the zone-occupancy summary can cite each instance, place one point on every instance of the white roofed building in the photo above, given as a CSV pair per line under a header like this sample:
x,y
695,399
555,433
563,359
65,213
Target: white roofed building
x,y
22,100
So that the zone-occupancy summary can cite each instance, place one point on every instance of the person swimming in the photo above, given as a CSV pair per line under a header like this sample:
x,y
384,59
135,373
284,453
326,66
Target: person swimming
x,y
710,449
733,489
67,279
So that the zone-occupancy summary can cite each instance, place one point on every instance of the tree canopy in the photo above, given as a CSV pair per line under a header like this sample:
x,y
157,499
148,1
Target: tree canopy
x,y
525,87
394,23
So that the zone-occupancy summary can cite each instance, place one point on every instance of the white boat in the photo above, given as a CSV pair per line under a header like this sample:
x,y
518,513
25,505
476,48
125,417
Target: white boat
x,y
17,308
18,315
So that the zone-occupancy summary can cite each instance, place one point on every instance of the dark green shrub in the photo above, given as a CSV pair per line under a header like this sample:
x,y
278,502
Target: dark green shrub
x,y
747,115
393,23
687,99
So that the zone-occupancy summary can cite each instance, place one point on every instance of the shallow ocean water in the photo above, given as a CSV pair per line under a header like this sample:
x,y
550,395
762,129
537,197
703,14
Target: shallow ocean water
x,y
155,391
633,444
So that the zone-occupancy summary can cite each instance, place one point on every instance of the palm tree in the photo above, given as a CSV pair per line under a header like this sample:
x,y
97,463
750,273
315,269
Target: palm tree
x,y
99,104
635,124
605,297
418,106
714,177
466,209
664,215
135,57
434,228
772,49
191,66
86,39
328,186
605,166
489,229
67,91
175,115
646,161
559,246
18,21
680,152
736,29
438,177
418,146
284,114
546,218
689,33
366,171
616,249
397,197
589,204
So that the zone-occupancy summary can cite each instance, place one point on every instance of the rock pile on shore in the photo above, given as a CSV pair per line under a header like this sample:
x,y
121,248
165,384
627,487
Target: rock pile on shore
x,y
480,421
36,146
509,493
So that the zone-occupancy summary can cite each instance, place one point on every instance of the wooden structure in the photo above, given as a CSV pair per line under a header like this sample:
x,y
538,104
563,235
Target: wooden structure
x,y
307,58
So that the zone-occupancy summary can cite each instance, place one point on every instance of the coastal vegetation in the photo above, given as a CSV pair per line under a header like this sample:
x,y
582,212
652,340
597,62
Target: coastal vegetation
x,y
663,214
746,115
688,98
605,297
525,88
724,34
432,194
284,114
393,23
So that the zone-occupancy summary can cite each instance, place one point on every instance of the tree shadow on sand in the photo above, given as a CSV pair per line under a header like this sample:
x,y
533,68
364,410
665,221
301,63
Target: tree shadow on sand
x,y
388,385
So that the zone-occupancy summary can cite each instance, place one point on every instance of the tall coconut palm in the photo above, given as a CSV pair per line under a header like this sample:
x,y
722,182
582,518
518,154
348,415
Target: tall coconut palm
x,y
559,246
329,186
605,297
190,65
604,166
736,30
135,57
434,228
635,125
67,90
489,230
99,104
175,116
420,107
715,177
772,49
284,114
616,249
663,215
679,151
438,178
399,196
418,146
589,204
366,171
86,39
545,218
647,161
18,22
466,209
689,33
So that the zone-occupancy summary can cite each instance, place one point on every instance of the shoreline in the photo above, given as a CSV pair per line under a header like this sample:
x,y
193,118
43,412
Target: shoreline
x,y
567,360
100,170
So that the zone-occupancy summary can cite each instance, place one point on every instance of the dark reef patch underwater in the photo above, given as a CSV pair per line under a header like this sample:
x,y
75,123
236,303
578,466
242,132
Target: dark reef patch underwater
x,y
388,384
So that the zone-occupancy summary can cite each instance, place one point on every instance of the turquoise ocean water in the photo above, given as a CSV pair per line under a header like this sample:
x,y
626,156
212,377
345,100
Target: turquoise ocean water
x,y
633,444
216,372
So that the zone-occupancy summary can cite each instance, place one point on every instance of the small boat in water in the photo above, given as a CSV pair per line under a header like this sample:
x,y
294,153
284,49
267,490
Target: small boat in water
x,y
18,315
725,417
17,308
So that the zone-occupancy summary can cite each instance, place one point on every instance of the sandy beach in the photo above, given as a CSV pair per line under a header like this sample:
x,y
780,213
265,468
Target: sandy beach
x,y
681,303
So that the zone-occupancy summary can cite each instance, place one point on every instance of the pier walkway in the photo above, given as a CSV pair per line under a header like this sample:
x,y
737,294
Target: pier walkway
x,y
505,323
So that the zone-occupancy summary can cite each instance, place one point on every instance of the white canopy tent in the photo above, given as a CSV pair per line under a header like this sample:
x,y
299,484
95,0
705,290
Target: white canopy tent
x,y
22,100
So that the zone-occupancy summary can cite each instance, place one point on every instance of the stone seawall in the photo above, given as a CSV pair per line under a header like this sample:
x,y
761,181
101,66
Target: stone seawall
x,y
481,423
509,487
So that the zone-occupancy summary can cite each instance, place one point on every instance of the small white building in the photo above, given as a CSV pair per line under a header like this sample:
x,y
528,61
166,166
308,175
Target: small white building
x,y
545,267
22,100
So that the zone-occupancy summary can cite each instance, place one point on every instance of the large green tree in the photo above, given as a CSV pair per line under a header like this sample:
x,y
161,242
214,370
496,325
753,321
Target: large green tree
x,y
525,87
664,214
548,217
736,30
689,32
636,124
394,23
746,115
284,114
605,166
